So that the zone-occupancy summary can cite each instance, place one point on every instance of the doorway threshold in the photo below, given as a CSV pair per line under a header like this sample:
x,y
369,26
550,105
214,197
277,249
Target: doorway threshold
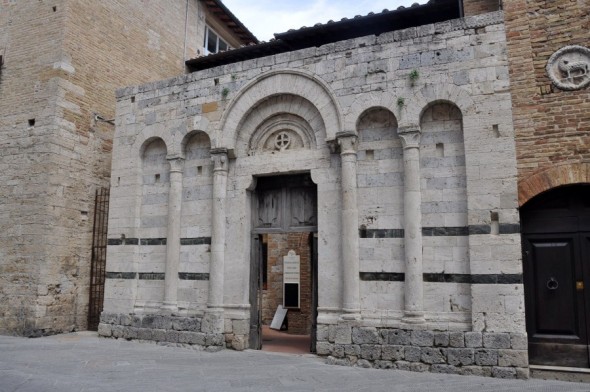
x,y
283,342
561,373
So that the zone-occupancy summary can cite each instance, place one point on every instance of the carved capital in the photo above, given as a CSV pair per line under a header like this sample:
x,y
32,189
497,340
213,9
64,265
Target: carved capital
x,y
410,136
220,159
176,164
347,141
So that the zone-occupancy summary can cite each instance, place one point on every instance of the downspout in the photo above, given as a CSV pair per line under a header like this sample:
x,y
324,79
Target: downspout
x,y
461,12
185,32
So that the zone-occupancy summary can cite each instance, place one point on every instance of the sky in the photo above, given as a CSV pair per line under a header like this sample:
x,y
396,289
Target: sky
x,y
266,17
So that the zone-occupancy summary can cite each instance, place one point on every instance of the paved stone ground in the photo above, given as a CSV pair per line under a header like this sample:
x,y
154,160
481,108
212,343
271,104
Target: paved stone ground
x,y
83,362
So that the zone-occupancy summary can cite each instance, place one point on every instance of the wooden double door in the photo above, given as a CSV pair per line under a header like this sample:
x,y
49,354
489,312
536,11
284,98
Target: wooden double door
x,y
556,245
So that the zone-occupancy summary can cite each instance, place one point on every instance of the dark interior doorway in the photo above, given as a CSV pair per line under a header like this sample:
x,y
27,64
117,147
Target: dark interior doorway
x,y
284,263
556,261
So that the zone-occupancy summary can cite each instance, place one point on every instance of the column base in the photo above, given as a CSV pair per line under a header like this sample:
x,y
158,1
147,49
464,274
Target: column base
x,y
169,307
413,317
351,314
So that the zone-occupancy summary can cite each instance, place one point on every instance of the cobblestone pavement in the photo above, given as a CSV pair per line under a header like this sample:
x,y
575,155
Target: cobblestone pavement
x,y
83,362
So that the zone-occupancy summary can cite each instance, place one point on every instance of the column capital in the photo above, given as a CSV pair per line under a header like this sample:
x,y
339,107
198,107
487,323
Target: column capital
x,y
410,136
347,141
220,159
176,164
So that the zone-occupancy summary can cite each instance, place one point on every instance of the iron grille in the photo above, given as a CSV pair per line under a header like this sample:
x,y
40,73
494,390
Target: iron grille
x,y
99,257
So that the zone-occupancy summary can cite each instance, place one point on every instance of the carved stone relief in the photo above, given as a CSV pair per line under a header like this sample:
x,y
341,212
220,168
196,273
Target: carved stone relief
x,y
569,67
281,133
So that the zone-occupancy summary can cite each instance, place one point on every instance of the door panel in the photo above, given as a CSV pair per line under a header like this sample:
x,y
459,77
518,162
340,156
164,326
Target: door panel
x,y
556,270
255,282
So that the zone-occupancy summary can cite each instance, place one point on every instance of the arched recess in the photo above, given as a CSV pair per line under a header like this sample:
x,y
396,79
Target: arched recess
x,y
279,115
155,179
555,229
380,184
195,221
553,177
444,205
280,82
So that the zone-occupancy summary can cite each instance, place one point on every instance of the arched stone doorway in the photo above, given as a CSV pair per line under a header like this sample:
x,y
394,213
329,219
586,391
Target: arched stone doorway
x,y
556,258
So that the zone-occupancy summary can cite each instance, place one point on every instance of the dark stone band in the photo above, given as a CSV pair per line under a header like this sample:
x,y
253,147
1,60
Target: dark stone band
x,y
152,276
505,228
445,231
381,233
157,241
192,276
120,275
445,278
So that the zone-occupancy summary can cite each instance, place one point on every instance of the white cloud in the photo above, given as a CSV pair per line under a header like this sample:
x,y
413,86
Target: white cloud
x,y
265,17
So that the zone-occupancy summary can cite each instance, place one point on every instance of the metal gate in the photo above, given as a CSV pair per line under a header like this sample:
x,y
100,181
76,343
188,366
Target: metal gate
x,y
99,257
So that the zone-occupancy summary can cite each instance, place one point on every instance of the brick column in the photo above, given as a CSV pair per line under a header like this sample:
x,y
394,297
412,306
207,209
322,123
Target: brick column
x,y
173,236
413,286
350,237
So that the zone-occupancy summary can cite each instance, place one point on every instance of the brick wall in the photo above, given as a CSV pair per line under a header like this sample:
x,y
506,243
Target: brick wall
x,y
476,7
552,126
278,246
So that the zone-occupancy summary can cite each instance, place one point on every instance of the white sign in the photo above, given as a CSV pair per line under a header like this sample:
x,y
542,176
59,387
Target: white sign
x,y
277,320
291,268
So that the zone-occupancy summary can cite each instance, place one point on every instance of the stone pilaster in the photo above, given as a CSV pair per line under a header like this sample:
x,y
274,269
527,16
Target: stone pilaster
x,y
413,288
173,236
350,238
217,264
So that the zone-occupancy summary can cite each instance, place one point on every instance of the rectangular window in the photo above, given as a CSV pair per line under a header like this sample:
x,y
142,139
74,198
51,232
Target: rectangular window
x,y
213,43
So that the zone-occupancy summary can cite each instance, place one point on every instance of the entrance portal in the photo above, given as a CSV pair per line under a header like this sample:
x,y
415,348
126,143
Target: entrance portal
x,y
283,270
556,244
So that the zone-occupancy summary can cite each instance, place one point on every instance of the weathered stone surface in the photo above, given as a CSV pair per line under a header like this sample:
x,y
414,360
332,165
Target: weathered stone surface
x,y
518,341
503,372
422,338
109,318
240,342
412,354
352,349
484,371
118,331
186,324
370,351
343,335
419,367
516,358
384,365
338,350
457,339
104,330
241,327
214,339
433,355
522,373
460,356
473,339
363,364
399,337
172,336
447,369
403,365
144,333
365,335
126,319
441,339
392,353
158,335
496,340
324,348
485,357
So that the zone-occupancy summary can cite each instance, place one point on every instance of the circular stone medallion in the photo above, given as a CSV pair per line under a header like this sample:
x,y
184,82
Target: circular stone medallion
x,y
569,67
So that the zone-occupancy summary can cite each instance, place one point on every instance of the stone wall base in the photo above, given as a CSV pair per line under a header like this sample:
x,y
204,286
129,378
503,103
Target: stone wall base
x,y
502,355
183,330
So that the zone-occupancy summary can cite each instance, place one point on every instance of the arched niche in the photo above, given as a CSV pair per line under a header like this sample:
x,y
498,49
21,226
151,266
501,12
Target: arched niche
x,y
296,83
155,178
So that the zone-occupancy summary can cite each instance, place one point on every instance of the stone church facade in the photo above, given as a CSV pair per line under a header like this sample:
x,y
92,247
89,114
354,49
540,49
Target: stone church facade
x,y
393,152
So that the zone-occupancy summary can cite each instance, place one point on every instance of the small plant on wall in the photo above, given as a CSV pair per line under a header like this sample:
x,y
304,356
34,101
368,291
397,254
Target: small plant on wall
x,y
414,75
401,102
224,93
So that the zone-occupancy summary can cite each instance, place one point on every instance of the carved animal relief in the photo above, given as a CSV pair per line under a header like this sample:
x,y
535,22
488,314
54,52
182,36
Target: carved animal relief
x,y
568,68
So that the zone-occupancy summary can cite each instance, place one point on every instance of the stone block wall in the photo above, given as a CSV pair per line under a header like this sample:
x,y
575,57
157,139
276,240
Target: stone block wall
x,y
502,355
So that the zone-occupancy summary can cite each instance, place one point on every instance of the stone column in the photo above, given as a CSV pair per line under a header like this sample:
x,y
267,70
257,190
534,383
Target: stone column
x,y
350,230
413,288
217,263
173,236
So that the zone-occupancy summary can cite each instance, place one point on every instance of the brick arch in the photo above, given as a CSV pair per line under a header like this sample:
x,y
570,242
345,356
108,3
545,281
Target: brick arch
x,y
280,82
565,174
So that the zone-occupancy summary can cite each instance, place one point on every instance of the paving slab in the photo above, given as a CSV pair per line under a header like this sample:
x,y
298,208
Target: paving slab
x,y
82,362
